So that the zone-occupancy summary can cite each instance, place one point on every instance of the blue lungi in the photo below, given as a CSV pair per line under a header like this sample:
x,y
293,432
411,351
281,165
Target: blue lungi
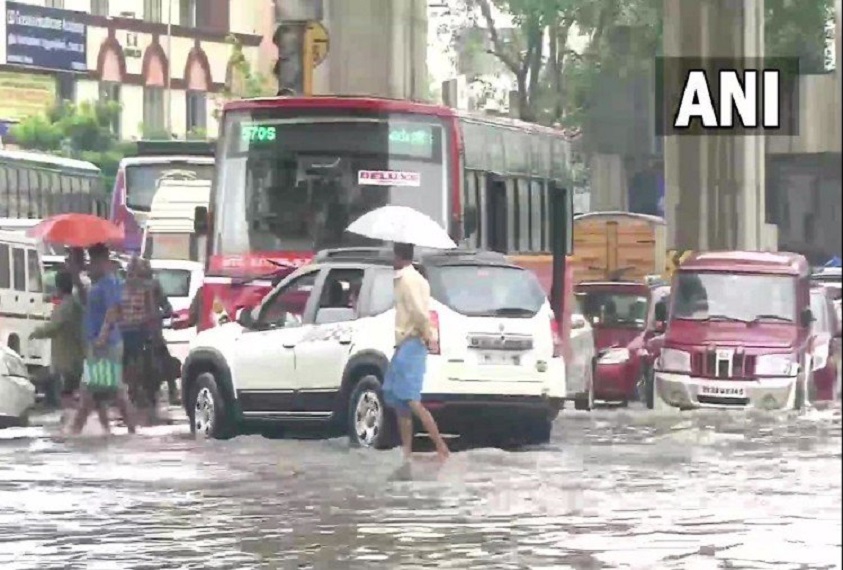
x,y
405,375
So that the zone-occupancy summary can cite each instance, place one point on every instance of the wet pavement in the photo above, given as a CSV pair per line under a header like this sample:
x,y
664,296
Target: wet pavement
x,y
615,489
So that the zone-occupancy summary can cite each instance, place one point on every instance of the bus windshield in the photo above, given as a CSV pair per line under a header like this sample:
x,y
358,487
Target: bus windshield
x,y
142,179
294,183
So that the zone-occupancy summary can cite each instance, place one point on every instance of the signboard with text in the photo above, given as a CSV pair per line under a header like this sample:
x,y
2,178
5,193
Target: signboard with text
x,y
25,94
46,38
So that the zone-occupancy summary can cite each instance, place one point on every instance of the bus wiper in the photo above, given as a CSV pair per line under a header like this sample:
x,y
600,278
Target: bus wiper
x,y
724,318
514,312
780,318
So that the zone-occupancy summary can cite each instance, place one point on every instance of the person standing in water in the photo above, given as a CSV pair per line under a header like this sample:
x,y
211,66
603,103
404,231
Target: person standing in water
x,y
103,368
413,335
67,347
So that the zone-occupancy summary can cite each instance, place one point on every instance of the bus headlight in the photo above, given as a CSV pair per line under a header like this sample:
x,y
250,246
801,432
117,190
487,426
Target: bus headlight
x,y
776,365
672,360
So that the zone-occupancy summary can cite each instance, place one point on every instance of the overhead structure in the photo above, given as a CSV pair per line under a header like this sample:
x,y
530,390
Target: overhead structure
x,y
715,184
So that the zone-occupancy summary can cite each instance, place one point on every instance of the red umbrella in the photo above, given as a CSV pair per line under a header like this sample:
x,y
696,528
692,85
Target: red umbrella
x,y
77,230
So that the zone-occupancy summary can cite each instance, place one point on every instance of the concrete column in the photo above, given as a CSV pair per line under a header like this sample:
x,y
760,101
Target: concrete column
x,y
608,183
714,184
373,49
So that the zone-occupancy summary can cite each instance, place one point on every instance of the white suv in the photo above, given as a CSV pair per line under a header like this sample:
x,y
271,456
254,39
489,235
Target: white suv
x,y
317,347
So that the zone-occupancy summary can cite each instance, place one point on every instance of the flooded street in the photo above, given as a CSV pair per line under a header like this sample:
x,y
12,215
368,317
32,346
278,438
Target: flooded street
x,y
615,489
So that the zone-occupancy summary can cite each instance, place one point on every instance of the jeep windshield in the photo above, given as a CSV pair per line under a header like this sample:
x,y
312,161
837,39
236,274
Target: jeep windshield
x,y
748,298
486,291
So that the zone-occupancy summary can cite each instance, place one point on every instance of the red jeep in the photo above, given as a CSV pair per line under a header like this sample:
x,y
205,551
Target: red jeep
x,y
622,317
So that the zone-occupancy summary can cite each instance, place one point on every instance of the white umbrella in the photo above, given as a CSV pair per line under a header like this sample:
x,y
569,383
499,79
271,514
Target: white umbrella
x,y
404,225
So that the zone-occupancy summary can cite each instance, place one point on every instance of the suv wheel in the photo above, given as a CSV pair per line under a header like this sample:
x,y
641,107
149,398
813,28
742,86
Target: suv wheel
x,y
536,431
208,410
370,423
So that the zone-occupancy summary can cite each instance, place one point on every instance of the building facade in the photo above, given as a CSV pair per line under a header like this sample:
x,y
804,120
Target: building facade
x,y
167,62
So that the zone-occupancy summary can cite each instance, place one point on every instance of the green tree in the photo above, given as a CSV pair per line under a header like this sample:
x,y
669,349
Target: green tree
x,y
555,80
82,131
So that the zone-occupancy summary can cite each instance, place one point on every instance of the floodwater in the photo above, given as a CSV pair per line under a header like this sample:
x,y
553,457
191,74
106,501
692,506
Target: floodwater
x,y
615,489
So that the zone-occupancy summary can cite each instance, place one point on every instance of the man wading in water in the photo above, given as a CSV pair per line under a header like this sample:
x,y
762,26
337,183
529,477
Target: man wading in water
x,y
413,334
103,370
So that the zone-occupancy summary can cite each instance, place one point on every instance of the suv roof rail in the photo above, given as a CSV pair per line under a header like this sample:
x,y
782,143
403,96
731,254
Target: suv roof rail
x,y
384,255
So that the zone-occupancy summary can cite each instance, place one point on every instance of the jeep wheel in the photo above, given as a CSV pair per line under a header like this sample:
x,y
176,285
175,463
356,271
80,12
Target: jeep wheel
x,y
370,423
208,410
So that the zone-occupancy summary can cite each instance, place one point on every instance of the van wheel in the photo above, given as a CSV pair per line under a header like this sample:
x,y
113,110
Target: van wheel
x,y
370,423
208,410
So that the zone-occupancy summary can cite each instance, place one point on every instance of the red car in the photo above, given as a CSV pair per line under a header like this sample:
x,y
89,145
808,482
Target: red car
x,y
626,335
825,347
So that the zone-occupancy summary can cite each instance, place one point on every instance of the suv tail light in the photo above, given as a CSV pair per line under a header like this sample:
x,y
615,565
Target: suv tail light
x,y
557,339
434,324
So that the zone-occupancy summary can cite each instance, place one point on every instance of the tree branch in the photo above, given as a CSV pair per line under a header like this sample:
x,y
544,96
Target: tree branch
x,y
498,47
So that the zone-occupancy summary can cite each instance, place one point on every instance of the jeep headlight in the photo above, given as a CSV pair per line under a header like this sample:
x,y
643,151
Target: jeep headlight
x,y
614,356
776,365
672,360
15,366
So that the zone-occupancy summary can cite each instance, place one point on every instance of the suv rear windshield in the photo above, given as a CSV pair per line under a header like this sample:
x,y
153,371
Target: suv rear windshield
x,y
486,291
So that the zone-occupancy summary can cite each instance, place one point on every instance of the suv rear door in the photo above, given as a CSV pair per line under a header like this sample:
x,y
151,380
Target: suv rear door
x,y
494,322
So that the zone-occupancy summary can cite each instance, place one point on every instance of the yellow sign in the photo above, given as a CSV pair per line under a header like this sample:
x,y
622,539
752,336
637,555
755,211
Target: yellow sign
x,y
317,37
25,94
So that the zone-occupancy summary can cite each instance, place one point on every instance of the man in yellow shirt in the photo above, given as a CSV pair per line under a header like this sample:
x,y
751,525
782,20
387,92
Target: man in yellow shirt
x,y
413,334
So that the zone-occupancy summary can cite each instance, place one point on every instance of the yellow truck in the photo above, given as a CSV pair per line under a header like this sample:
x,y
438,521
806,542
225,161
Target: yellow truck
x,y
621,246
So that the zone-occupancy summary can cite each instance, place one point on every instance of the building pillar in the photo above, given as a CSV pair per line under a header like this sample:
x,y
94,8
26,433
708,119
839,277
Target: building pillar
x,y
608,183
714,184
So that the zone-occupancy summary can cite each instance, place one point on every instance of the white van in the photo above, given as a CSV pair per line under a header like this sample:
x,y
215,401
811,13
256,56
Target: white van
x,y
169,230
23,304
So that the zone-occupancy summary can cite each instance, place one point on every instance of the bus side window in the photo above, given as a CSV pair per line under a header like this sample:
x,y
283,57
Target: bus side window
x,y
5,195
33,209
472,228
525,242
14,193
65,191
5,267
33,272
19,268
496,221
512,232
537,216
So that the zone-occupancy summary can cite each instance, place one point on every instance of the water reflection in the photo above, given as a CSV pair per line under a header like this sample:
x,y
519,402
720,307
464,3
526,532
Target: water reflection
x,y
615,489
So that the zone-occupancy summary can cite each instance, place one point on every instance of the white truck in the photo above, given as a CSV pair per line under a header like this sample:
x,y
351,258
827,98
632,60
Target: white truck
x,y
169,228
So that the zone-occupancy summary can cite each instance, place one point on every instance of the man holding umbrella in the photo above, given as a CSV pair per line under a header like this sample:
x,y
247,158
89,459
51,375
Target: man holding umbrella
x,y
413,335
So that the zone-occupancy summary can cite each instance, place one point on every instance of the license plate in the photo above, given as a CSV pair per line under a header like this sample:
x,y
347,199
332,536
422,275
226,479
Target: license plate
x,y
500,359
723,391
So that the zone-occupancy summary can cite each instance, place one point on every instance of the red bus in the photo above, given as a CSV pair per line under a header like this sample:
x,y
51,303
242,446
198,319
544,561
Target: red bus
x,y
292,173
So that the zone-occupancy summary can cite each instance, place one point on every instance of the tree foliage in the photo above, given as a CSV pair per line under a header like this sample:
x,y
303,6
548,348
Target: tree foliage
x,y
243,81
557,48
82,131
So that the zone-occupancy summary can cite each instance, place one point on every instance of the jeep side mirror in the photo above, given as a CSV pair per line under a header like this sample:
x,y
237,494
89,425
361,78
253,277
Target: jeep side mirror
x,y
245,318
806,317
200,220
